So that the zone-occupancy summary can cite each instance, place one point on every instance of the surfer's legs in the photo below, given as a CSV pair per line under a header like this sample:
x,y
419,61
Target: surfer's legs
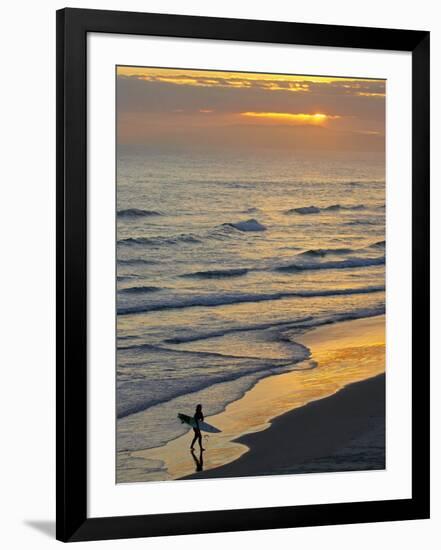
x,y
196,436
199,436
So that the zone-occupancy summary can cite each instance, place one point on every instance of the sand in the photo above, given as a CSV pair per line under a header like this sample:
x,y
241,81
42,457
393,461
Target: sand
x,y
339,433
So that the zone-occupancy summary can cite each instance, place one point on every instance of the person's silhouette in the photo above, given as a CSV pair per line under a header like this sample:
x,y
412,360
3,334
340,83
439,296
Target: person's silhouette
x,y
199,417
199,462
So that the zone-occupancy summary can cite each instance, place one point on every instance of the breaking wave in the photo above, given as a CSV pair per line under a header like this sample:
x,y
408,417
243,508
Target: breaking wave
x,y
247,225
216,273
238,298
343,264
137,213
140,289
160,241
316,209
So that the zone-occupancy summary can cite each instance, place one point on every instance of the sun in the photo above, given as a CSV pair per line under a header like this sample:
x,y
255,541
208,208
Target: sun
x,y
292,118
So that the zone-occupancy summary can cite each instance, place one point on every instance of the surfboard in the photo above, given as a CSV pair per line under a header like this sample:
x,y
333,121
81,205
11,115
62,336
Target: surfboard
x,y
203,426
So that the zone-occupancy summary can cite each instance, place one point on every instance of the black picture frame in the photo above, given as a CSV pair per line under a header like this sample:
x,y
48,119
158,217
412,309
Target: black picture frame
x,y
71,428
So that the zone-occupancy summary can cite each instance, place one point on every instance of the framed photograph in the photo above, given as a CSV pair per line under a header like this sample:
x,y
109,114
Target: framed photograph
x,y
242,275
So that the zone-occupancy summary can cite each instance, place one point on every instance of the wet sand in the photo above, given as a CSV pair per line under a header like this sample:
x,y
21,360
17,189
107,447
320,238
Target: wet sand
x,y
340,433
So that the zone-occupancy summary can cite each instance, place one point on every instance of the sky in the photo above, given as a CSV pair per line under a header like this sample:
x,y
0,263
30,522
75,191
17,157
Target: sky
x,y
181,110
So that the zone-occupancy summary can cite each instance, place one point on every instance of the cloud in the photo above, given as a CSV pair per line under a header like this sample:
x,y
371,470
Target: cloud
x,y
225,79
372,94
135,95
185,108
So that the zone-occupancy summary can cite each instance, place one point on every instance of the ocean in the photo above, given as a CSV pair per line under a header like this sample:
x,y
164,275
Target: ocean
x,y
221,261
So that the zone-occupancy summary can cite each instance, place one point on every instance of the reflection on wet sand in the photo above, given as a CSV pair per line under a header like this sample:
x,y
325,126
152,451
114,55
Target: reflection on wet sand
x,y
198,460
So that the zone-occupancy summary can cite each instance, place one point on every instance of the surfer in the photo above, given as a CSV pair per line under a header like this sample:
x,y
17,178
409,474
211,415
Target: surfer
x,y
198,416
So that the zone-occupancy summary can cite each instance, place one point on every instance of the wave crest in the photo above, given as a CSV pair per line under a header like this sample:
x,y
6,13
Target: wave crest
x,y
160,241
238,298
217,273
317,209
137,213
140,289
246,225
321,252
343,264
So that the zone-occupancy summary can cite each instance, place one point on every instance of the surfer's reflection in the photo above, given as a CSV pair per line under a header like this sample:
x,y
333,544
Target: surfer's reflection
x,y
199,462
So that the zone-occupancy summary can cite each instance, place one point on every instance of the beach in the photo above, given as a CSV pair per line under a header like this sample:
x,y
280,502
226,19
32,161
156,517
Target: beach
x,y
339,433
327,417
232,270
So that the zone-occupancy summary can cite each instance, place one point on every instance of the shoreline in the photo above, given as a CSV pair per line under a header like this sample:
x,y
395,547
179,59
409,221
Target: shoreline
x,y
346,353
